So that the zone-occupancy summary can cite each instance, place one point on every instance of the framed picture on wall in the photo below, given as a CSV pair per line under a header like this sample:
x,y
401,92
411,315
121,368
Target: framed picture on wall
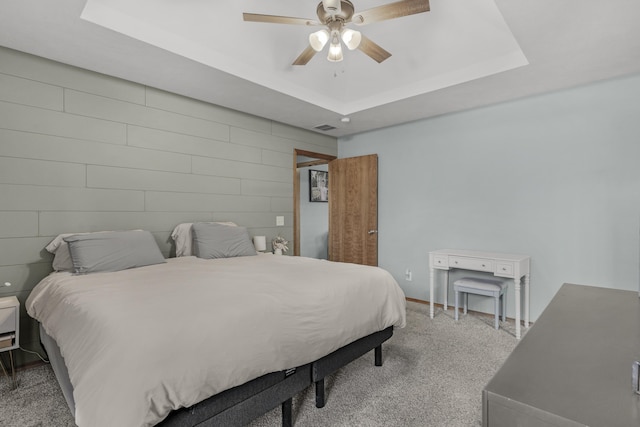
x,y
318,186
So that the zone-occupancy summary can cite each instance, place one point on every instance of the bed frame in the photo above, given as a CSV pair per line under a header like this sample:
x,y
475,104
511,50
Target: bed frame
x,y
345,355
242,404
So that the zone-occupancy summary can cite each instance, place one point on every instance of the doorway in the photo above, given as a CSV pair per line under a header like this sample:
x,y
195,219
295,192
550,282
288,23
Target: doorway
x,y
302,160
351,217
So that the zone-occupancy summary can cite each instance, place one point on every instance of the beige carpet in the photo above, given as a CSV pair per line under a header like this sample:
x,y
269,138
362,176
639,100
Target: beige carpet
x,y
433,375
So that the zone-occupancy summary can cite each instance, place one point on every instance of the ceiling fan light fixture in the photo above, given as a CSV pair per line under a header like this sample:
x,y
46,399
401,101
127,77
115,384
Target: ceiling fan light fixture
x,y
335,52
335,15
351,38
318,40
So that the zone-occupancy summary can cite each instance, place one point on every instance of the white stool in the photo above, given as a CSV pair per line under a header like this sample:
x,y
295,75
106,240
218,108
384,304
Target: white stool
x,y
487,287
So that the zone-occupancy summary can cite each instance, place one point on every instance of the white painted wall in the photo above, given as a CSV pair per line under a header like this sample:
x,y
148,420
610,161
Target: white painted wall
x,y
555,176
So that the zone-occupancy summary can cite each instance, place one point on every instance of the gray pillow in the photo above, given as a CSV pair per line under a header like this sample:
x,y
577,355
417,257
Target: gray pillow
x,y
113,251
221,241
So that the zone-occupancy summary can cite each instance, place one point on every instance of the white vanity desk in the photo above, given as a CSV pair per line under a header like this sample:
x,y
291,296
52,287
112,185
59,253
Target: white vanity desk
x,y
501,265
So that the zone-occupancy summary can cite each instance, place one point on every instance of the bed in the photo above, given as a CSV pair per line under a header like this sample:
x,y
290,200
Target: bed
x,y
215,341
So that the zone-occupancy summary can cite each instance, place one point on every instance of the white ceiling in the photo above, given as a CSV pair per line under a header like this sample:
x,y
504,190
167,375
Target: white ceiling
x,y
462,54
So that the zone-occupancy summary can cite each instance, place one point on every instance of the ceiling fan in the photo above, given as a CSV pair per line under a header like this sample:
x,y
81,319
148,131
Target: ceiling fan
x,y
334,15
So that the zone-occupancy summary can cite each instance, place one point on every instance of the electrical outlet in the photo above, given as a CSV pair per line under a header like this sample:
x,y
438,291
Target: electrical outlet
x,y
408,276
279,220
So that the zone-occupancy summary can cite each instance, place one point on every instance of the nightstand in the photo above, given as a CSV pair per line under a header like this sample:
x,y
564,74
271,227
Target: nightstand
x,y
9,332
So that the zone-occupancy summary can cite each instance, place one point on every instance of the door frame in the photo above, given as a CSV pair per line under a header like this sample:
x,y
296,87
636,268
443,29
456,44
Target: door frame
x,y
320,159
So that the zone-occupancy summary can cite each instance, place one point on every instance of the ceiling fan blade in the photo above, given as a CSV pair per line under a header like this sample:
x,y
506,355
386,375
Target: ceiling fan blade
x,y
374,51
390,11
305,56
275,19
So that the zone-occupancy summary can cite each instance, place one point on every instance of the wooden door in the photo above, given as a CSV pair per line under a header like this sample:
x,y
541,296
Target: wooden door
x,y
353,210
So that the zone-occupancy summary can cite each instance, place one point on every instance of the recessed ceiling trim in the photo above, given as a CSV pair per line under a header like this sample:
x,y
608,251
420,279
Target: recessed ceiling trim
x,y
486,68
259,53
568,44
105,16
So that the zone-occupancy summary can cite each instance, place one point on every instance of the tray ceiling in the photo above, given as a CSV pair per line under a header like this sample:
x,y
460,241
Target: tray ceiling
x,y
462,54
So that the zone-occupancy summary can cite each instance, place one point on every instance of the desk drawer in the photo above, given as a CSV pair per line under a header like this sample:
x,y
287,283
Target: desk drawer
x,y
440,261
471,263
504,269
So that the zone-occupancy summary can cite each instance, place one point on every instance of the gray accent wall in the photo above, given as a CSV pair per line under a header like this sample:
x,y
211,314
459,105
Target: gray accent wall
x,y
81,151
555,176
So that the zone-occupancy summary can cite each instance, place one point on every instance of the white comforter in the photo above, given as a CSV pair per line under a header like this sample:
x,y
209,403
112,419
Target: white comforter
x,y
141,342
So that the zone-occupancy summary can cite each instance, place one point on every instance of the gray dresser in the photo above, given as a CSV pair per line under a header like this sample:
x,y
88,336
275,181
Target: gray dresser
x,y
573,367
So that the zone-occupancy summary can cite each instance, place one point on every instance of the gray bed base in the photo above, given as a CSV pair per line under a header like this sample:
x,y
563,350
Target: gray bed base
x,y
242,404
59,368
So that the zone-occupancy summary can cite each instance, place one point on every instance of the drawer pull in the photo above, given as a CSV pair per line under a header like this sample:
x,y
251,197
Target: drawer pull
x,y
504,269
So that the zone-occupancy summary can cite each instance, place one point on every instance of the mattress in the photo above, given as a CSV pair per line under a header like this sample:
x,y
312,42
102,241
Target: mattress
x,y
140,343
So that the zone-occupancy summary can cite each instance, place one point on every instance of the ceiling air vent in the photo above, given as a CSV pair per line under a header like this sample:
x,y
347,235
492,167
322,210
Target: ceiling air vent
x,y
325,127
